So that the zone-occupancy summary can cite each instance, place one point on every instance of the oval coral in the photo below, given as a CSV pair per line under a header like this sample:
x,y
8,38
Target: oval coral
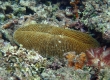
x,y
53,41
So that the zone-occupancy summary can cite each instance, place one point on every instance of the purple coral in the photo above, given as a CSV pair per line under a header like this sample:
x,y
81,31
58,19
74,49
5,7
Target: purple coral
x,y
99,57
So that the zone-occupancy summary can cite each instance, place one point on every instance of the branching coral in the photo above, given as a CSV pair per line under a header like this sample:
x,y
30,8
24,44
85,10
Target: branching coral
x,y
74,4
53,41
78,61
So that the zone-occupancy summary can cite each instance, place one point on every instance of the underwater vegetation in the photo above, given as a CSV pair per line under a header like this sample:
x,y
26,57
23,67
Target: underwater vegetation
x,y
50,40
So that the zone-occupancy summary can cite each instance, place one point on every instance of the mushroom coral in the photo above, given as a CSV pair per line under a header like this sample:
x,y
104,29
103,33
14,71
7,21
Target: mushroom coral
x,y
53,41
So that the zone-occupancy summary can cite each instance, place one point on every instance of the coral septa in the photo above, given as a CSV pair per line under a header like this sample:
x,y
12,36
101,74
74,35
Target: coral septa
x,y
106,56
53,41
98,51
90,54
98,57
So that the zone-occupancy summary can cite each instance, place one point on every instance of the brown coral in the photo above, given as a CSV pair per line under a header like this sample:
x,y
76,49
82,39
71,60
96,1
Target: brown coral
x,y
78,61
70,56
53,41
74,4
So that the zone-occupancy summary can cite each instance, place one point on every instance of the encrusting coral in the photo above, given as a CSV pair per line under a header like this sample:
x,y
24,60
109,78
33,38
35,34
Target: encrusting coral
x,y
53,41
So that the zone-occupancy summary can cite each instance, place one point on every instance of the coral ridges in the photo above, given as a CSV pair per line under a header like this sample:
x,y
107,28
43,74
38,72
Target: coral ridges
x,y
57,40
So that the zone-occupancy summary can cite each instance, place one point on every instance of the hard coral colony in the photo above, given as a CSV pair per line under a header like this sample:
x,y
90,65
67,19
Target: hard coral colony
x,y
78,61
53,41
99,57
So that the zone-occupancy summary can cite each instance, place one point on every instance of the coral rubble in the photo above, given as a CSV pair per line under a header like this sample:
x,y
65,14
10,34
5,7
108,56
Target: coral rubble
x,y
20,63
96,16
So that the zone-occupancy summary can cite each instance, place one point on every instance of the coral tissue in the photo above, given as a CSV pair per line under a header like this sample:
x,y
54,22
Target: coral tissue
x,y
78,61
53,41
99,57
